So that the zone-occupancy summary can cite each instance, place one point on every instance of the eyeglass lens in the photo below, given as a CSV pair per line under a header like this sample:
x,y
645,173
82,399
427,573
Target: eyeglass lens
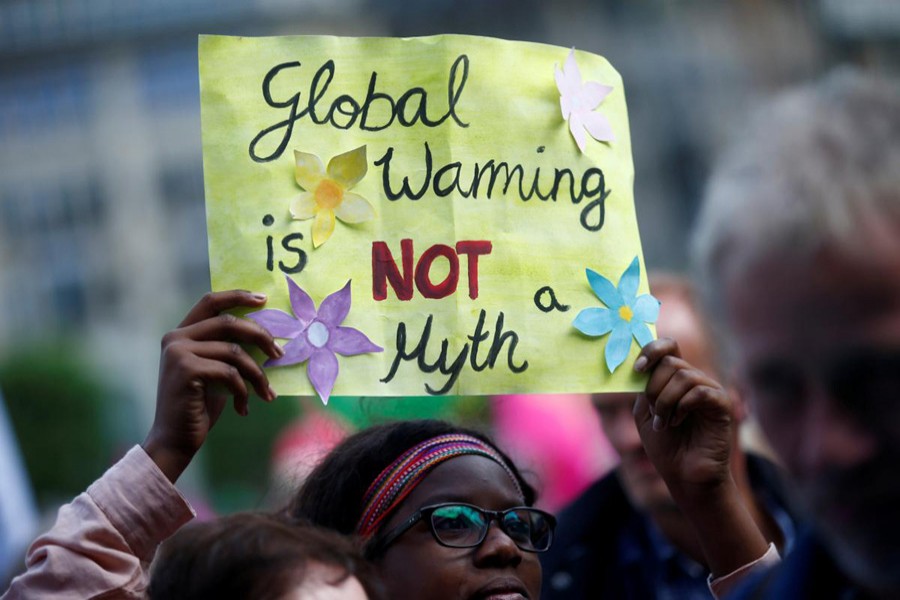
x,y
465,526
867,384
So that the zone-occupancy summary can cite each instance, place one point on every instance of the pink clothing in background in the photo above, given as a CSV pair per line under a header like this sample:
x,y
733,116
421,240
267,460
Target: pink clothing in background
x,y
558,439
301,446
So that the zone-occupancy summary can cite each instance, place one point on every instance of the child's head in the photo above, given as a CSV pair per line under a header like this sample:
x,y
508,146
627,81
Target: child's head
x,y
253,555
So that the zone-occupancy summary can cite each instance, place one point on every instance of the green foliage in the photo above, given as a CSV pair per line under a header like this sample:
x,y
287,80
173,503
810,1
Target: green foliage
x,y
365,411
57,406
237,453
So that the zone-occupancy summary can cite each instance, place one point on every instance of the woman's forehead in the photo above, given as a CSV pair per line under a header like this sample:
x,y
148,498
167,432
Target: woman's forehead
x,y
472,479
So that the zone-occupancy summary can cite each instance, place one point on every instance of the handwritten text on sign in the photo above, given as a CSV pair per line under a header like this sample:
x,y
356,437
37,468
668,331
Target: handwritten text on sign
x,y
439,176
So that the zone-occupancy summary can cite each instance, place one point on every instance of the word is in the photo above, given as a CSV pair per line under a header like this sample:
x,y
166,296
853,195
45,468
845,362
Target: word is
x,y
287,243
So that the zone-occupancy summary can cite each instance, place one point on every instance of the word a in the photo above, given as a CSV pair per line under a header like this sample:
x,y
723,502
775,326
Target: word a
x,y
548,304
384,269
453,369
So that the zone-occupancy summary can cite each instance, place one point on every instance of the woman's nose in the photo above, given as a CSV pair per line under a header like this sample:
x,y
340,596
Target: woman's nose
x,y
497,549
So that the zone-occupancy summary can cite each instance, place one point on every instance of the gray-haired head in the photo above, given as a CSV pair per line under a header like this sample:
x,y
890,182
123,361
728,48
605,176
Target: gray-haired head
x,y
818,165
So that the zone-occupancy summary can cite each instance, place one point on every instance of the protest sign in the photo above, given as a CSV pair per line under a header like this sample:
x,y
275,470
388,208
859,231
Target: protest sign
x,y
440,215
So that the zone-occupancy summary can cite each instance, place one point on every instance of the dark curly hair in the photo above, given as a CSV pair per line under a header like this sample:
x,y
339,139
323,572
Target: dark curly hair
x,y
332,495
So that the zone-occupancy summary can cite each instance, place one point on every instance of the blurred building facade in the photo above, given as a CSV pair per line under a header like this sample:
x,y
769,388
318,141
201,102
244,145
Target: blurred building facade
x,y
102,226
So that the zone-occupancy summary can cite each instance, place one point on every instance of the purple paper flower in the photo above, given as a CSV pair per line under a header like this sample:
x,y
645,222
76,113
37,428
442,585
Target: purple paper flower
x,y
315,335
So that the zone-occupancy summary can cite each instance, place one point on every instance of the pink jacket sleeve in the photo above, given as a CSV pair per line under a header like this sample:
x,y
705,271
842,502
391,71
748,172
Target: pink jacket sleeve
x,y
103,541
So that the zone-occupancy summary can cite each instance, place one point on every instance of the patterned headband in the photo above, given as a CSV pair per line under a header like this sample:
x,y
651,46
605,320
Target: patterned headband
x,y
402,476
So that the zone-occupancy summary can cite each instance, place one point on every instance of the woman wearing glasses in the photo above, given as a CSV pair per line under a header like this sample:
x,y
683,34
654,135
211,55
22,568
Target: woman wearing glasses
x,y
442,513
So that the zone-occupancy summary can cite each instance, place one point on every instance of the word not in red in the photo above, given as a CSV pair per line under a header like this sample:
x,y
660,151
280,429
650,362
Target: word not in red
x,y
403,278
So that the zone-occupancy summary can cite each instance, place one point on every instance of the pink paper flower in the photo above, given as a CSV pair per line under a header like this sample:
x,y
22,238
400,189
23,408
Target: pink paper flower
x,y
315,335
578,102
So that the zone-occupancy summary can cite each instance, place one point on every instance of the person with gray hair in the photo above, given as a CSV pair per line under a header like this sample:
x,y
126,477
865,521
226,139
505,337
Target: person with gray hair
x,y
798,245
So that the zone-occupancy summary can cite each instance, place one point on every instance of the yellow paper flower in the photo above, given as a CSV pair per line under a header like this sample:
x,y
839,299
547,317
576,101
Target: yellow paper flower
x,y
326,194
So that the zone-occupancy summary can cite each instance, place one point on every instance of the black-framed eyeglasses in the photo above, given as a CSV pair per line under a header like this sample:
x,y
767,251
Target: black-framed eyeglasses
x,y
459,525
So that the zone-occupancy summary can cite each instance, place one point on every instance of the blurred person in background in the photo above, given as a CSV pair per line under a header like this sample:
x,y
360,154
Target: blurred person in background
x,y
625,537
799,244
556,441
18,514
298,449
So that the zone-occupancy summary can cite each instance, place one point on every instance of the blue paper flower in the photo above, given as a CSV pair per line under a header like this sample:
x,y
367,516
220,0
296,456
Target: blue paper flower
x,y
626,314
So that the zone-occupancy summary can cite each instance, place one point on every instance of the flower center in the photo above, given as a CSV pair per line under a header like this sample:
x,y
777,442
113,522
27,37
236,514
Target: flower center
x,y
579,103
317,334
626,313
329,194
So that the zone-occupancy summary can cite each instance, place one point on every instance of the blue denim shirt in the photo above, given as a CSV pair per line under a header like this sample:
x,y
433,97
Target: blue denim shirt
x,y
607,549
675,576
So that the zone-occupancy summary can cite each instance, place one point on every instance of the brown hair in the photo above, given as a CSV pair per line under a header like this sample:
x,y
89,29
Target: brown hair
x,y
252,555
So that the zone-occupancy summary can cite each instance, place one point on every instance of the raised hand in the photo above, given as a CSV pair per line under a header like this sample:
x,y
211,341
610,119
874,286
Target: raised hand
x,y
202,363
686,420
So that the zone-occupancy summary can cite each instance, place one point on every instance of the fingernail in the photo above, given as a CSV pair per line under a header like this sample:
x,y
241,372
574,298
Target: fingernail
x,y
640,363
658,424
260,297
245,411
272,394
279,350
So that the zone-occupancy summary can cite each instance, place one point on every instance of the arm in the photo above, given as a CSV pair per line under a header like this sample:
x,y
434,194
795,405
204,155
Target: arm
x,y
686,423
105,538
103,541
